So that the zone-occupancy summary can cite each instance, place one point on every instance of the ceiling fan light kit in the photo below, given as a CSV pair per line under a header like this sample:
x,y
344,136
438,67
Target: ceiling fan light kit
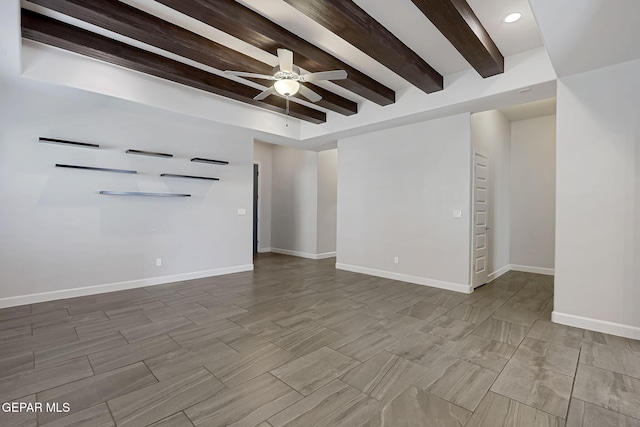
x,y
286,87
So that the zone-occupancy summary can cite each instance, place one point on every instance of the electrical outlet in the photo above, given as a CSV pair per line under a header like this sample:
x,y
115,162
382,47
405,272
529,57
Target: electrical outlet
x,y
242,211
159,262
395,259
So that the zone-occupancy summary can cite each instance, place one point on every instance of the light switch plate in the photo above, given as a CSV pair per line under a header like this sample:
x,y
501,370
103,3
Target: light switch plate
x,y
242,211
457,213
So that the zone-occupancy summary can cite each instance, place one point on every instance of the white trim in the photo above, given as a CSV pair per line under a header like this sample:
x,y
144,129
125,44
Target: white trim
x,y
499,272
264,250
529,269
603,326
326,255
293,253
303,254
119,286
406,278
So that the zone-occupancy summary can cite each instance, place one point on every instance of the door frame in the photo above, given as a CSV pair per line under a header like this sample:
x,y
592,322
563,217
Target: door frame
x,y
259,210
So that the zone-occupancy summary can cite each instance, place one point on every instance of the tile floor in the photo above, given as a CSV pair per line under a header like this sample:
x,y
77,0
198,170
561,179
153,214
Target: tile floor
x,y
298,343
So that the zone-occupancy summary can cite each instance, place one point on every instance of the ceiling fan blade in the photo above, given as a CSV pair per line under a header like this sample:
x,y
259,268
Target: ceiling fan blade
x,y
285,58
254,75
309,94
324,75
263,95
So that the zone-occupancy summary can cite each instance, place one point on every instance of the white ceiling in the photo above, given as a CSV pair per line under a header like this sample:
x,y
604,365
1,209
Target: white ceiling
x,y
407,22
530,110
410,25
579,35
583,35
514,38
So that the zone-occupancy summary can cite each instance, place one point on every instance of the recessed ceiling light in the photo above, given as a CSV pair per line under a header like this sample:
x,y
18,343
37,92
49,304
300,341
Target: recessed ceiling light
x,y
512,17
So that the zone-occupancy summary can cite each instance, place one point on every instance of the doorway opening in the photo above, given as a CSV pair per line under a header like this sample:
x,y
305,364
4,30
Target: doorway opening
x,y
256,174
513,191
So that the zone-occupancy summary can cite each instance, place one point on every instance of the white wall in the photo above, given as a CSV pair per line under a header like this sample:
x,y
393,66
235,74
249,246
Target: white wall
x,y
533,193
491,136
464,92
263,155
583,35
57,232
397,190
598,200
59,67
294,197
303,200
327,201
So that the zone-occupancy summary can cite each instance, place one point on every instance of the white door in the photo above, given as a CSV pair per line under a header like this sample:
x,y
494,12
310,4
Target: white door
x,y
480,219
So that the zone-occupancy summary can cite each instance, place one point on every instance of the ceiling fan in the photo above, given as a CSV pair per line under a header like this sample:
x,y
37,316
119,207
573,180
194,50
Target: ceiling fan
x,y
288,78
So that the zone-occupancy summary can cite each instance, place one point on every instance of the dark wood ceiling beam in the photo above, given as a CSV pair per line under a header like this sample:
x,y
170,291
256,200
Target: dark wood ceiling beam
x,y
348,21
55,33
126,20
457,22
243,23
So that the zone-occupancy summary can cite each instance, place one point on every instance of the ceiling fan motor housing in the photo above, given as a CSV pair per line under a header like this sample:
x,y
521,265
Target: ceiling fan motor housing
x,y
285,75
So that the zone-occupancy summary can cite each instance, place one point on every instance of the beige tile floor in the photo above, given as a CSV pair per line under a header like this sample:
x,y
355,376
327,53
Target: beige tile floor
x,y
298,343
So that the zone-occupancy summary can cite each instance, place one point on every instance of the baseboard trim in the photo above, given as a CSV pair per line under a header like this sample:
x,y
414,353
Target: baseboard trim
x,y
326,255
303,254
293,253
264,250
529,269
119,286
603,326
499,272
466,289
